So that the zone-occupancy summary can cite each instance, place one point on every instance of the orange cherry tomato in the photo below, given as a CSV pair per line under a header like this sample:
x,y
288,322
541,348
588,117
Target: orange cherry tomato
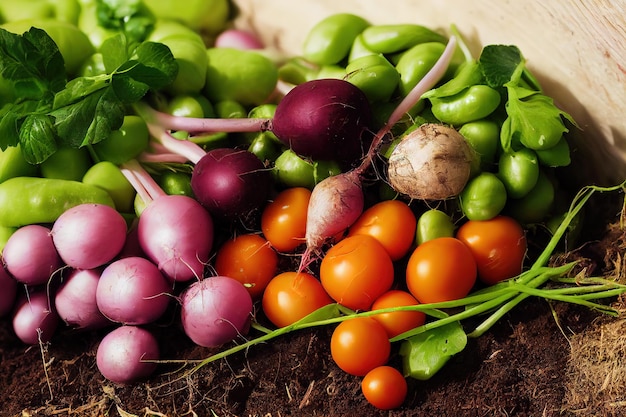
x,y
498,245
384,387
356,271
283,221
441,269
359,345
291,295
392,223
398,321
250,260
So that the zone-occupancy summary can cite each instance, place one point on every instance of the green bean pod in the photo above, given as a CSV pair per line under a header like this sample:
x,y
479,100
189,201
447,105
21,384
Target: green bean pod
x,y
474,103
556,156
32,200
535,206
483,198
415,63
374,75
386,39
13,164
518,171
330,40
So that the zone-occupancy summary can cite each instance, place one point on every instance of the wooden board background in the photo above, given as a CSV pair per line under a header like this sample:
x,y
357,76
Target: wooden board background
x,y
576,48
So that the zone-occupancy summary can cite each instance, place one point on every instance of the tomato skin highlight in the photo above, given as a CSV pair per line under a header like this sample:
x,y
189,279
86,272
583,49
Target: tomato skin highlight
x,y
441,269
356,271
392,223
384,387
283,221
290,296
359,345
498,245
250,260
397,322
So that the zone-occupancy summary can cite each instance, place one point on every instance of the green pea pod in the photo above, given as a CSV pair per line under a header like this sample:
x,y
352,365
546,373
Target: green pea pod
x,y
484,137
229,109
473,103
108,176
297,70
124,144
374,75
31,200
535,206
386,39
358,49
13,164
293,171
188,49
209,16
483,197
67,164
265,146
469,73
66,10
5,234
241,75
518,171
330,40
556,156
175,183
331,71
35,9
432,224
415,63
190,105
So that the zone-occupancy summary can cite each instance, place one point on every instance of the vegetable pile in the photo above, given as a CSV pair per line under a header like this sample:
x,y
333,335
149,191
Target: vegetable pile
x,y
385,182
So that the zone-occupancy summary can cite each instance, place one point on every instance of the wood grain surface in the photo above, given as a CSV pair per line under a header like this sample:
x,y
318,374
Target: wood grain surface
x,y
577,49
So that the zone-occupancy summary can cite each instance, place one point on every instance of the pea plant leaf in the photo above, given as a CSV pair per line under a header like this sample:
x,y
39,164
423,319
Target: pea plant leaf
x,y
424,354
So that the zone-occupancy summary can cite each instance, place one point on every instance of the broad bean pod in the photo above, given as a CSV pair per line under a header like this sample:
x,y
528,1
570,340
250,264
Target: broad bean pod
x,y
374,75
474,103
330,40
386,39
518,171
483,198
32,200
415,63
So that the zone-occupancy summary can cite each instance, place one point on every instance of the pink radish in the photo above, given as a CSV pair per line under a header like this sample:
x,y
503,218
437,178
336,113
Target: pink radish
x,y
30,255
75,300
8,292
89,235
34,319
127,354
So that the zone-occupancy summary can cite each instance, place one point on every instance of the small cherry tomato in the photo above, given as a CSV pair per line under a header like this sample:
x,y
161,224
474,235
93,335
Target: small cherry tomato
x,y
392,223
250,260
283,221
498,246
441,269
356,271
398,321
384,387
291,295
359,345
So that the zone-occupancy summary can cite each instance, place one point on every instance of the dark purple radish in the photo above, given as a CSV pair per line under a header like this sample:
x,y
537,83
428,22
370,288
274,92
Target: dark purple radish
x,y
34,319
230,183
75,300
30,255
324,119
8,292
127,354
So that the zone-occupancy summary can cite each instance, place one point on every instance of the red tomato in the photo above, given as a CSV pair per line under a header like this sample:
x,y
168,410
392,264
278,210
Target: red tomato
x,y
356,271
441,269
283,221
498,245
290,296
398,321
250,260
359,345
392,223
384,387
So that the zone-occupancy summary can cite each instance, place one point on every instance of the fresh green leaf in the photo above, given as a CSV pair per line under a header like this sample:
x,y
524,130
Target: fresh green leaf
x,y
127,89
37,138
500,64
115,52
159,67
425,354
129,16
79,88
9,126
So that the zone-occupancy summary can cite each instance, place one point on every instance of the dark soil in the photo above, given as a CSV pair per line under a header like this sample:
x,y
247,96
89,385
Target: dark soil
x,y
518,368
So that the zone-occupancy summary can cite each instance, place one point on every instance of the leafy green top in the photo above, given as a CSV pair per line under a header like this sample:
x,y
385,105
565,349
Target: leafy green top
x,y
50,111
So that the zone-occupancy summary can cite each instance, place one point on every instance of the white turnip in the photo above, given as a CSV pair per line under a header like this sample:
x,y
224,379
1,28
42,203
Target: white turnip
x,y
132,291
34,318
89,235
433,162
75,300
30,255
8,292
127,354
215,311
